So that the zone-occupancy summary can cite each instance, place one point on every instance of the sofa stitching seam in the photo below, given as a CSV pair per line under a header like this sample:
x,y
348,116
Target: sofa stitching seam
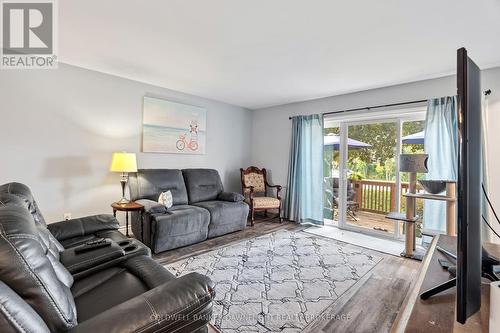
x,y
81,227
11,317
200,305
199,298
152,308
37,279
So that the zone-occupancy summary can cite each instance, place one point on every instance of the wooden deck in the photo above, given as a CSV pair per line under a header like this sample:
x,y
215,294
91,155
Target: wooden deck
x,y
372,221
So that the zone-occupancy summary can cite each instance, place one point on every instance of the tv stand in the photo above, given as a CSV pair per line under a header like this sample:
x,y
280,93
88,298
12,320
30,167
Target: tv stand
x,y
489,271
437,314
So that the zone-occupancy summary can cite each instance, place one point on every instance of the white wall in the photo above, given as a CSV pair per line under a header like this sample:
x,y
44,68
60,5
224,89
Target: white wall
x,y
271,127
58,129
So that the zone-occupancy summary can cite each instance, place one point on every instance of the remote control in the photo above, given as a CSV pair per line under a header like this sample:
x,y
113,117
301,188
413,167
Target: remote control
x,y
89,246
97,241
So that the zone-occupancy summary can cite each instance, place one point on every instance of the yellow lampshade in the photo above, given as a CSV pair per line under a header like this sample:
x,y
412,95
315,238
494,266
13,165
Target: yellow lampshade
x,y
123,162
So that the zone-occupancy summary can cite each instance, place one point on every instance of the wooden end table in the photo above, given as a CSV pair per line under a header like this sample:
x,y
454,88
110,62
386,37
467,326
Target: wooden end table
x,y
129,207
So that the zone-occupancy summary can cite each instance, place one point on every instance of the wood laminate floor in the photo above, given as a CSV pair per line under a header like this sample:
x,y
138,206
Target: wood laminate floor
x,y
371,305
261,227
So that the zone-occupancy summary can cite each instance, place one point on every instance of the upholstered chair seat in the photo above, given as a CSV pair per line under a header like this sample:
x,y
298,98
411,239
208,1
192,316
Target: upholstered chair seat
x,y
266,202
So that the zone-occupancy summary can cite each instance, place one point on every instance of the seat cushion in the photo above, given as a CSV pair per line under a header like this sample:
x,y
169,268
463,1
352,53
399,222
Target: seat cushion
x,y
115,285
225,217
104,290
265,202
180,226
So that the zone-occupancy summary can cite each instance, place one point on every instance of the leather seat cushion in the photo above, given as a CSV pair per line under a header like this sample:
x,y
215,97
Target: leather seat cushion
x,y
115,285
104,290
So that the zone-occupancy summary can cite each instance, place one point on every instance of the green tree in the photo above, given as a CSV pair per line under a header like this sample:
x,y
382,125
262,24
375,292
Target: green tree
x,y
378,160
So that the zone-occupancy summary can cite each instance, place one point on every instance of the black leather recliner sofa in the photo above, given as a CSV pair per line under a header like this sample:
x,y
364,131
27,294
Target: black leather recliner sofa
x,y
47,287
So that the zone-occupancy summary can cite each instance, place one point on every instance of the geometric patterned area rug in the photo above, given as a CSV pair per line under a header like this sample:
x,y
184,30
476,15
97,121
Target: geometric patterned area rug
x,y
279,282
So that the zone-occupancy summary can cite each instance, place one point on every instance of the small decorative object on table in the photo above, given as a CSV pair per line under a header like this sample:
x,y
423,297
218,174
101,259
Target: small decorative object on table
x,y
124,163
129,207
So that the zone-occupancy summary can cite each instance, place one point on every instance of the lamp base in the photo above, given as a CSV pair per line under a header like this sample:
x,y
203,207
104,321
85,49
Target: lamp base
x,y
124,201
123,183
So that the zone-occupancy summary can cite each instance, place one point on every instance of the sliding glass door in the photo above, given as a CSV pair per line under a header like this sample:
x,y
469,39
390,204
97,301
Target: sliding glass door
x,y
362,182
370,184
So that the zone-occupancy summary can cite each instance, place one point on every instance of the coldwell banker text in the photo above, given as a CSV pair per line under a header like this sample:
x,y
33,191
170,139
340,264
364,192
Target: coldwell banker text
x,y
28,35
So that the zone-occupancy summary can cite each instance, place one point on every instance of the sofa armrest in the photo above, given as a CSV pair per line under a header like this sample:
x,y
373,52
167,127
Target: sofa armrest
x,y
152,207
78,262
83,226
181,305
230,196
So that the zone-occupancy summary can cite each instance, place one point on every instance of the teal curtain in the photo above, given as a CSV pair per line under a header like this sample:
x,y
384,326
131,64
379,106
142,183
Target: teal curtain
x,y
304,200
441,143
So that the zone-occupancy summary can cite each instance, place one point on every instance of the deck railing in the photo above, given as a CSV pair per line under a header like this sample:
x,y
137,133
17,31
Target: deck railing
x,y
377,196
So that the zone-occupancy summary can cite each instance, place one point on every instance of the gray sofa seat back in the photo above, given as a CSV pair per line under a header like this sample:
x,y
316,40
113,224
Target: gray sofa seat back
x,y
150,183
202,184
31,270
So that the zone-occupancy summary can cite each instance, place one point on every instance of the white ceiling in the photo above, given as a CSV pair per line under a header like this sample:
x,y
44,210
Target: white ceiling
x,y
257,53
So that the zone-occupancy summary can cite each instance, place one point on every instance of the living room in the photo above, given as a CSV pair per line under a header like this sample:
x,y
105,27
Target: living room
x,y
190,167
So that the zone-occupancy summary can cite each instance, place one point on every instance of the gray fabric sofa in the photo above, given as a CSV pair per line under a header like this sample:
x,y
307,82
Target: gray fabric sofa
x,y
201,209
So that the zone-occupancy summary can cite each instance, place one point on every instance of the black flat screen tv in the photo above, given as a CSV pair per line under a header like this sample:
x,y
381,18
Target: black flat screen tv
x,y
469,192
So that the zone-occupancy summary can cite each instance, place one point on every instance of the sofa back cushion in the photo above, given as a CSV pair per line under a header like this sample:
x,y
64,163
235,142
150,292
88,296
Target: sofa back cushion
x,y
16,315
24,192
20,195
29,268
150,183
202,184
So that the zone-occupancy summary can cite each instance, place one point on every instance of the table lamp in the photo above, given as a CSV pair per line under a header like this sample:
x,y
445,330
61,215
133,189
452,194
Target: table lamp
x,y
123,162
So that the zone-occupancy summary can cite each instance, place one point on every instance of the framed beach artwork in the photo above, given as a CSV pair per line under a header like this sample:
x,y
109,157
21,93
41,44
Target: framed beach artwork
x,y
170,127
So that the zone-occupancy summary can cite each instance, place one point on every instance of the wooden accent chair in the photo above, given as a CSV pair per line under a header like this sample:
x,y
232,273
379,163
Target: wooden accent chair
x,y
255,189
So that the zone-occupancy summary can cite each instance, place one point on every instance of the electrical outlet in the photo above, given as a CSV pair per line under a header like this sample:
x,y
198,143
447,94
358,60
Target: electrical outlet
x,y
67,216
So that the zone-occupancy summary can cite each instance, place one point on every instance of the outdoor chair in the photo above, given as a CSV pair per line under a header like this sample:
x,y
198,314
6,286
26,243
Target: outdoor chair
x,y
331,185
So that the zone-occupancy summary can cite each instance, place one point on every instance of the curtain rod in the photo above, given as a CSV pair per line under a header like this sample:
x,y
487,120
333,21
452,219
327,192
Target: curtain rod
x,y
371,107
486,92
